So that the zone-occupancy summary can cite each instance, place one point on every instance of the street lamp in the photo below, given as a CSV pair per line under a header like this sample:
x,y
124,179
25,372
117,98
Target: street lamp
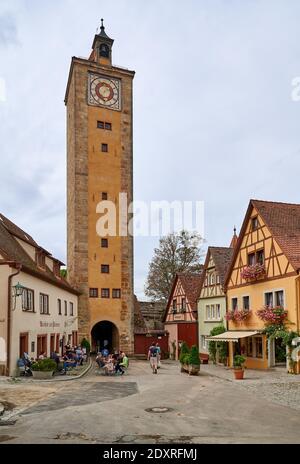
x,y
18,290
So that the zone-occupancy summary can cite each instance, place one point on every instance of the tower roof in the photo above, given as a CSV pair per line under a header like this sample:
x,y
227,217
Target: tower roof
x,y
102,31
234,239
102,36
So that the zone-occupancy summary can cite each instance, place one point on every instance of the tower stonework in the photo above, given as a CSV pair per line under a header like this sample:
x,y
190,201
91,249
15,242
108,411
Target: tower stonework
x,y
99,168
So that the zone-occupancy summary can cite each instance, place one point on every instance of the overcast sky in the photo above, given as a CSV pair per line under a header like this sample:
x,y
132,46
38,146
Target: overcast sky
x,y
213,115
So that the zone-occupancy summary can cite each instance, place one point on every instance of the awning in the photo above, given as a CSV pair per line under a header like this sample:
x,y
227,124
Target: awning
x,y
231,336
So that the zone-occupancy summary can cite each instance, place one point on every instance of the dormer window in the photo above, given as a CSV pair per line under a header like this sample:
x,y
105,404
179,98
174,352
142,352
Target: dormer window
x,y
56,269
104,50
254,223
40,258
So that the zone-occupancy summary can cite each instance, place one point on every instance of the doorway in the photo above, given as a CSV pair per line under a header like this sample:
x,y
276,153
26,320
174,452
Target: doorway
x,y
23,344
41,345
105,335
280,352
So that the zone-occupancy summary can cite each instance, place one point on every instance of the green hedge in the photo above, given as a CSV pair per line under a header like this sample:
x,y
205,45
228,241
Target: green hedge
x,y
45,365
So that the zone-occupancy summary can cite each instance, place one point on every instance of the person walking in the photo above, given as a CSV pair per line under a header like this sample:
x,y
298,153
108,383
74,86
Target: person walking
x,y
158,355
152,357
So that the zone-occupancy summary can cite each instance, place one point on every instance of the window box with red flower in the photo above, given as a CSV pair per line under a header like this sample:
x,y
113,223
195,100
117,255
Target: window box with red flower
x,y
253,271
238,315
270,315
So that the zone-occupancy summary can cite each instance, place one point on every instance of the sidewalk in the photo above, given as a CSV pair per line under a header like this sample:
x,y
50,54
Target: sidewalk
x,y
275,385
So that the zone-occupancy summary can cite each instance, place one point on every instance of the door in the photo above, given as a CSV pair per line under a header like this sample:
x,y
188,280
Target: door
x,y
23,344
41,344
52,343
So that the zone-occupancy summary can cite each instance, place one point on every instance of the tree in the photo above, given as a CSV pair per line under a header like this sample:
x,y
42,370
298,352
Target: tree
x,y
175,254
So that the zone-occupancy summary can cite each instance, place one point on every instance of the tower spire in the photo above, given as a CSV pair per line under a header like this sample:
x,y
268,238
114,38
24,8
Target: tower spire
x,y
102,46
234,239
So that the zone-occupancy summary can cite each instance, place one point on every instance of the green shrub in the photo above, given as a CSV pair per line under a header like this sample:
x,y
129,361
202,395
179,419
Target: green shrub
x,y
185,359
45,365
238,360
194,356
184,350
220,347
85,344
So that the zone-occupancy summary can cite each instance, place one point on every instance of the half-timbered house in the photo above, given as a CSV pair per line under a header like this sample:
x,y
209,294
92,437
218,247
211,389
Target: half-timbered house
x,y
181,312
263,282
212,300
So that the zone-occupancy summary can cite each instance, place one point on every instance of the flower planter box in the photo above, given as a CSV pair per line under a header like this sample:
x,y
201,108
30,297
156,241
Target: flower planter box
x,y
191,369
42,375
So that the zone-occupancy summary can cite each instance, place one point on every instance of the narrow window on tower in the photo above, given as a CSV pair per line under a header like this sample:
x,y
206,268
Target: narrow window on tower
x,y
116,293
104,292
107,125
100,124
104,147
104,242
104,196
93,292
105,268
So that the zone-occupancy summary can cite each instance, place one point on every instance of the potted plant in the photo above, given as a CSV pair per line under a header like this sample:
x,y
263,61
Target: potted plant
x,y
238,366
184,353
194,361
43,369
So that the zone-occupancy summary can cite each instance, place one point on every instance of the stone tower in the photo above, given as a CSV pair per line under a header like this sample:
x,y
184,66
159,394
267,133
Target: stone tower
x,y
99,168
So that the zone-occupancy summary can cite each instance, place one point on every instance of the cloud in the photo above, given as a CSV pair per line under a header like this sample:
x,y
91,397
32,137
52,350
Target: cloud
x,y
213,114
8,30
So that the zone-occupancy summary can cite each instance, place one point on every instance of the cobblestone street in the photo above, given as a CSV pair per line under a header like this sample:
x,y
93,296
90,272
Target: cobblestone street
x,y
273,385
210,408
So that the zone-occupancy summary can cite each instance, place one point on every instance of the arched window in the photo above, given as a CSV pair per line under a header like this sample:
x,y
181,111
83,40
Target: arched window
x,y
104,50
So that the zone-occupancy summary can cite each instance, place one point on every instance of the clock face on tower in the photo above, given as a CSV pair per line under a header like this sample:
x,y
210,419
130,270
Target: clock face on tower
x,y
104,91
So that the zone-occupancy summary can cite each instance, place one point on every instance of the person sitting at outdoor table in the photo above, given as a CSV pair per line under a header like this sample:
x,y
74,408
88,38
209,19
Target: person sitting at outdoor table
x,y
100,360
105,352
55,356
125,361
79,355
109,366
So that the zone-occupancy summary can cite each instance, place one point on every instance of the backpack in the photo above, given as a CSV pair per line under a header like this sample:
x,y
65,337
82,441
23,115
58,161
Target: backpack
x,y
153,350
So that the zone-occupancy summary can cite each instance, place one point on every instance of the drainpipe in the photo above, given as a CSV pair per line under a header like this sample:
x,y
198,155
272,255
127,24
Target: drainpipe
x,y
18,266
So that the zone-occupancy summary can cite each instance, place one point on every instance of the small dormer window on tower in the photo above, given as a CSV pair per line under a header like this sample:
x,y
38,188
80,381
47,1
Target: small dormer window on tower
x,y
102,47
104,50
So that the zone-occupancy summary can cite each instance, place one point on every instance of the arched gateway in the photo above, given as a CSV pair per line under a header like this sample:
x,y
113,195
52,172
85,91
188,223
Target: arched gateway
x,y
105,334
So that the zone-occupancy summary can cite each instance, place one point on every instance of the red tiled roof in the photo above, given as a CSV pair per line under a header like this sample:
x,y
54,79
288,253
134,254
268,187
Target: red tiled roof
x,y
11,249
222,257
283,222
191,287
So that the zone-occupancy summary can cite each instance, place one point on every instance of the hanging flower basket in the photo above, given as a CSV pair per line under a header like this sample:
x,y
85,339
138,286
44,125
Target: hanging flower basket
x,y
270,315
238,315
252,272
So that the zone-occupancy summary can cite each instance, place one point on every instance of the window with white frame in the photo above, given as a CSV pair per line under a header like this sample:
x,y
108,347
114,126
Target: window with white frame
x,y
203,342
275,298
234,303
28,300
207,312
246,302
218,311
212,312
217,279
269,299
44,303
279,298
